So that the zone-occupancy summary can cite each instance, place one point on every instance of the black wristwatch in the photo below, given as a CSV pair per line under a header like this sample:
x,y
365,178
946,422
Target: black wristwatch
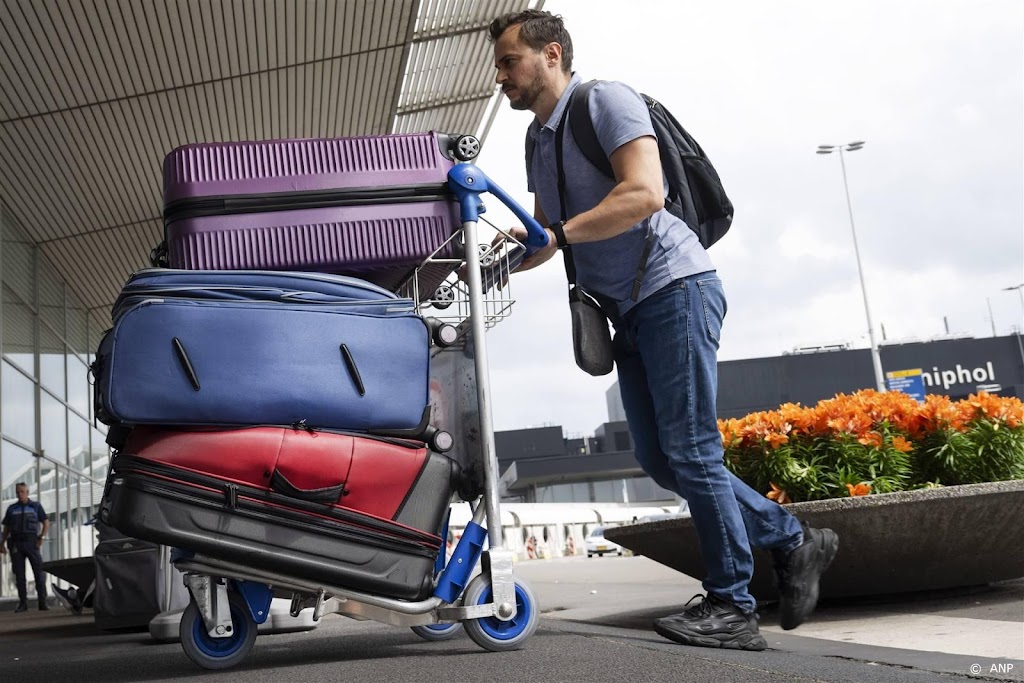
x,y
557,228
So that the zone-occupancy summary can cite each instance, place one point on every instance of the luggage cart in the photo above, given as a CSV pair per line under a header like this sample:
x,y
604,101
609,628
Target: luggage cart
x,y
498,611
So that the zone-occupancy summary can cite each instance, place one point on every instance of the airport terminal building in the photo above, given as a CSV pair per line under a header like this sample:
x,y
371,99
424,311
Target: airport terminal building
x,y
540,466
94,95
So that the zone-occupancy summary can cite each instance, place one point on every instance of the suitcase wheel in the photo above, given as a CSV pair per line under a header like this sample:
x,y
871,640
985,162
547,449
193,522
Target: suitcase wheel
x,y
486,256
218,653
443,297
466,147
438,632
441,441
158,256
491,633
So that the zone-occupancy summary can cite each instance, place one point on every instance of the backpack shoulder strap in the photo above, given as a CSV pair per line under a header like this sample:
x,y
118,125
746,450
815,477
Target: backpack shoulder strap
x,y
530,144
586,139
583,128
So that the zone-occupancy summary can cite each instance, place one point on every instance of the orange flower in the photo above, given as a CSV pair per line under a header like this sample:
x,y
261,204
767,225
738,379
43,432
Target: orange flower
x,y
873,439
730,431
939,414
859,490
1003,409
799,418
775,439
901,444
778,495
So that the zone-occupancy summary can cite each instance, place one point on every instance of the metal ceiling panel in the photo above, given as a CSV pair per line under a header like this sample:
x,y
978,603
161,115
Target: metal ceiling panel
x,y
100,262
94,93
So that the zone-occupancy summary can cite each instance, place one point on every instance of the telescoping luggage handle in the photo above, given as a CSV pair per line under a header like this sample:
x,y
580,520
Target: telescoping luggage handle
x,y
468,182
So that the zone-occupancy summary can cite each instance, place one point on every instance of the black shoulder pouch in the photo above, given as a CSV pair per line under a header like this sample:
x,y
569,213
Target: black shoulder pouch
x,y
591,338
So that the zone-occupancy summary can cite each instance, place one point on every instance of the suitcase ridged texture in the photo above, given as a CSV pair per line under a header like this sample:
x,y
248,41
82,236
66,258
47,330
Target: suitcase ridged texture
x,y
381,242
296,165
345,245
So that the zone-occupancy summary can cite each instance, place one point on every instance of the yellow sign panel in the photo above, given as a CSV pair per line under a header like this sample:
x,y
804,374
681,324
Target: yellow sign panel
x,y
903,373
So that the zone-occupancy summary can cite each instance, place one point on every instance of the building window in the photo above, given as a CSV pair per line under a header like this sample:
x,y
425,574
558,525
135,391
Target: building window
x,y
45,399
17,406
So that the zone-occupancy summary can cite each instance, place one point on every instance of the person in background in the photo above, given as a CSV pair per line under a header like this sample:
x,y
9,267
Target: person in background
x,y
666,334
25,525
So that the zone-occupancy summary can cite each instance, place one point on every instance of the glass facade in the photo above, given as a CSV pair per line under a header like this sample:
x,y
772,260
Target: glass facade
x,y
50,438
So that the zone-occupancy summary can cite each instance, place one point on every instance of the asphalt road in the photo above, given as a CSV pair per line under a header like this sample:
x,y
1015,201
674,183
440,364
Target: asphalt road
x,y
595,627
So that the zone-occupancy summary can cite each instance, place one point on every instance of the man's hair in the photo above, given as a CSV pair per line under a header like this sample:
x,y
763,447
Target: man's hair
x,y
538,29
20,483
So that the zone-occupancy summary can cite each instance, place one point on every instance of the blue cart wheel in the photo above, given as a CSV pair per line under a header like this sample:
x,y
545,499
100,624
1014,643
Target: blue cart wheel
x,y
218,653
438,632
492,633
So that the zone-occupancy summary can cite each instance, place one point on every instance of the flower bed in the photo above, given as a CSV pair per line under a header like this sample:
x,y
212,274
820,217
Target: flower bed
x,y
928,539
870,442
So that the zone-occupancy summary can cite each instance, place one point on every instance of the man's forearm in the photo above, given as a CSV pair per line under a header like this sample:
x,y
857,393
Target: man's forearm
x,y
625,206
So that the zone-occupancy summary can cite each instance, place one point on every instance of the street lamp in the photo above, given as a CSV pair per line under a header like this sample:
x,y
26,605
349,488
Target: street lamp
x,y
1020,290
876,359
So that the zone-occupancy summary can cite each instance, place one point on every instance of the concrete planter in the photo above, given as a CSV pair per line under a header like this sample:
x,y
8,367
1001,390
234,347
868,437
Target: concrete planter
x,y
892,543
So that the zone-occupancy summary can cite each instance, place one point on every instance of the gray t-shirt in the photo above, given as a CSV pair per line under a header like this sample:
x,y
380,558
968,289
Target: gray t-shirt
x,y
609,267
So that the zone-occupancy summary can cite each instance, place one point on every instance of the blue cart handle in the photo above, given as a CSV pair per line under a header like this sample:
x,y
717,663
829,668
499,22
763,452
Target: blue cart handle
x,y
468,182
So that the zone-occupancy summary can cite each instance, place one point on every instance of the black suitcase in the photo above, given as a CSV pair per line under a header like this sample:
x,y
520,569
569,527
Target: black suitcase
x,y
343,510
132,585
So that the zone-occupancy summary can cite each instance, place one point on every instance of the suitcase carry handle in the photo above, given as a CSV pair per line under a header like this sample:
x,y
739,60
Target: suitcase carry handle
x,y
468,182
329,494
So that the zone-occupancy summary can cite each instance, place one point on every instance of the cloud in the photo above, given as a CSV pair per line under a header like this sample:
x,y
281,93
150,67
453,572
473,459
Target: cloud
x,y
937,192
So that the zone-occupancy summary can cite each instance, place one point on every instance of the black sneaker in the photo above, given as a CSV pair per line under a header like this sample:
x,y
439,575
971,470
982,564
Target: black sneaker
x,y
22,607
713,622
43,607
63,596
798,572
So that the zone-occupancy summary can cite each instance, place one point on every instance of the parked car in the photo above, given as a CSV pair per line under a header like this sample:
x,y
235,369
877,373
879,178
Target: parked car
x,y
598,545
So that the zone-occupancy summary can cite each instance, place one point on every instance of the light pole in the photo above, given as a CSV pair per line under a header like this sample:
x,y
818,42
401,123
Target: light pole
x,y
1020,290
876,358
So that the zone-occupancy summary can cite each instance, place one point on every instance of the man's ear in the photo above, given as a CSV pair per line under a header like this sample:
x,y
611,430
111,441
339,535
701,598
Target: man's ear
x,y
553,53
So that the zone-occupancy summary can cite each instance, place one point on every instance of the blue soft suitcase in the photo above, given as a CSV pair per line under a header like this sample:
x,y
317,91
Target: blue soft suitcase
x,y
196,351
252,285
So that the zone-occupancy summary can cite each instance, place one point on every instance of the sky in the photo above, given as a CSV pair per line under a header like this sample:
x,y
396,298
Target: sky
x,y
936,90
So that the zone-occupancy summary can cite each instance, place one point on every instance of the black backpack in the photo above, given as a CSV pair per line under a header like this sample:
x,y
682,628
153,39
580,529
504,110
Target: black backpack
x,y
695,192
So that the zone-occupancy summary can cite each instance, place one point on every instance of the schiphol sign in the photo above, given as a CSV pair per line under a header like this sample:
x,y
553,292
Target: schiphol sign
x,y
915,382
945,378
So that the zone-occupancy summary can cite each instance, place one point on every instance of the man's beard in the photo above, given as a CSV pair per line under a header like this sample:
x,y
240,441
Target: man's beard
x,y
527,95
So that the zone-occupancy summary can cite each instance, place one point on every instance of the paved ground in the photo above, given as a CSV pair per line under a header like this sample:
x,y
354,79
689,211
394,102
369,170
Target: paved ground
x,y
595,627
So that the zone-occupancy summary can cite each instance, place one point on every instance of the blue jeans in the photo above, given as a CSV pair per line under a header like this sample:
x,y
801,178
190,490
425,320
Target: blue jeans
x,y
666,352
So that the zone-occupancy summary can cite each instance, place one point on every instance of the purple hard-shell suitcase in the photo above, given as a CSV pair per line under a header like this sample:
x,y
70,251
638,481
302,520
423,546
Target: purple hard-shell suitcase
x,y
373,207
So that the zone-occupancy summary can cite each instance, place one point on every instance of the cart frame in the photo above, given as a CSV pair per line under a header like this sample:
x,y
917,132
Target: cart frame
x,y
214,622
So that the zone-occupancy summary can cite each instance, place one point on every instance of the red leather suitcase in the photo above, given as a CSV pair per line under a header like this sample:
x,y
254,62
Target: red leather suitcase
x,y
348,511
